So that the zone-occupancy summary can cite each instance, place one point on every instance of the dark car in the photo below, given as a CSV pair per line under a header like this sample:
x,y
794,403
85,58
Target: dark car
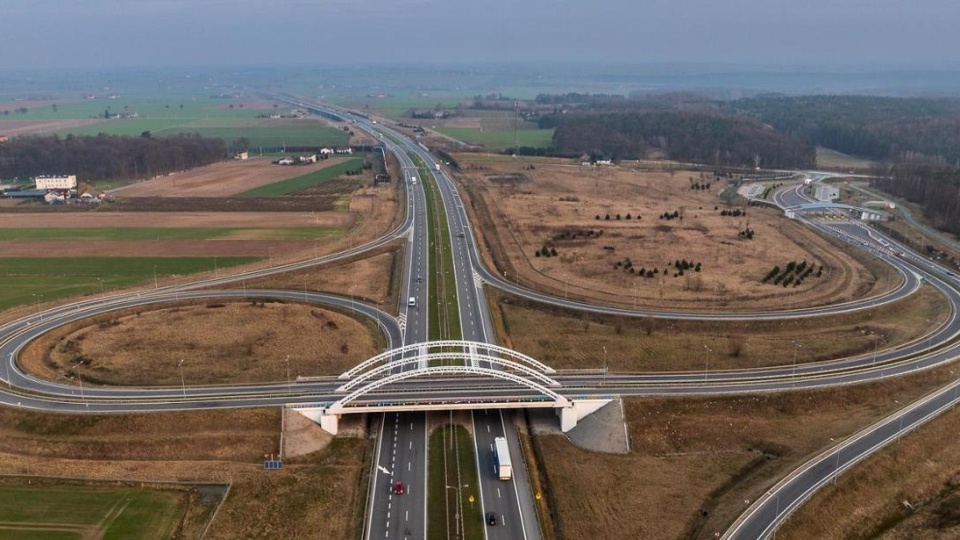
x,y
397,488
491,518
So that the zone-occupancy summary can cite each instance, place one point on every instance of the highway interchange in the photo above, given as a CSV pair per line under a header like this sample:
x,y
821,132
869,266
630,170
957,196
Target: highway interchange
x,y
401,452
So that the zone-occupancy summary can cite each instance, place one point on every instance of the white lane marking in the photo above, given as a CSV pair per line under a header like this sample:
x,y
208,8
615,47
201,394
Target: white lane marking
x,y
407,515
499,496
408,466
488,428
411,445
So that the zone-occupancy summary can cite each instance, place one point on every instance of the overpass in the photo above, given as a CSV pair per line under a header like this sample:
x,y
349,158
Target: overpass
x,y
450,364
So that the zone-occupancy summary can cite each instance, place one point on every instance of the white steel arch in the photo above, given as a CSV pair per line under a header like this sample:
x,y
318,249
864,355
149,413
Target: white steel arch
x,y
385,368
384,356
338,407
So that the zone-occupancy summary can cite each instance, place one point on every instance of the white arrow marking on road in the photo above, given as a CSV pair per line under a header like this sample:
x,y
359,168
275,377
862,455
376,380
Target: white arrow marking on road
x,y
384,470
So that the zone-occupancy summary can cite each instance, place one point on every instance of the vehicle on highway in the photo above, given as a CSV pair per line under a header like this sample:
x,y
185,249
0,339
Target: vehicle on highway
x,y
491,518
397,488
412,302
459,235
504,468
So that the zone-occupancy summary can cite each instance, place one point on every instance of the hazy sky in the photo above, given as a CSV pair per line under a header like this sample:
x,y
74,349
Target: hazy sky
x,y
101,33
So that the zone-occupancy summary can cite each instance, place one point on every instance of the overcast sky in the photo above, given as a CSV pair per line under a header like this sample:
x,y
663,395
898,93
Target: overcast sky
x,y
102,33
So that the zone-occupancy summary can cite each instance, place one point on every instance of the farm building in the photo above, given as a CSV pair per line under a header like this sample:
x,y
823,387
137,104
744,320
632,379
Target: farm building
x,y
240,156
56,182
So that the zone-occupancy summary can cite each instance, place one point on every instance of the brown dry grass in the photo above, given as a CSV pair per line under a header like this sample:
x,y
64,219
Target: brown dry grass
x,y
574,340
222,179
162,220
374,278
694,462
517,218
144,348
922,469
312,497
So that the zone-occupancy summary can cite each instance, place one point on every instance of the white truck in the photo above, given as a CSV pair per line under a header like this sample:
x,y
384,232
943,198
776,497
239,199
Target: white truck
x,y
438,166
413,180
504,468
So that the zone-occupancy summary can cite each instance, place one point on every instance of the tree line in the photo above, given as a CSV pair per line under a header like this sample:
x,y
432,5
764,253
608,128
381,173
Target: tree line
x,y
934,186
879,128
107,157
699,137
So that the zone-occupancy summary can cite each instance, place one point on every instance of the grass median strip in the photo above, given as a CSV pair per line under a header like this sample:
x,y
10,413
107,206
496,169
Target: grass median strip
x,y
453,483
445,320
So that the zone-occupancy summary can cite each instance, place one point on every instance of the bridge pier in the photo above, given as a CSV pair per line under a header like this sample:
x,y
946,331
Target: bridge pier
x,y
328,421
576,410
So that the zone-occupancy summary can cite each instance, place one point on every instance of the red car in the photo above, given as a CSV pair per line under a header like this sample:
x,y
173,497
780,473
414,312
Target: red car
x,y
397,488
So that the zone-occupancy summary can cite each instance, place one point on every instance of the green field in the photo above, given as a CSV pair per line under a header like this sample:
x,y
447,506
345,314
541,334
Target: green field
x,y
166,109
157,233
291,185
537,138
831,159
396,106
73,512
27,280
450,469
297,133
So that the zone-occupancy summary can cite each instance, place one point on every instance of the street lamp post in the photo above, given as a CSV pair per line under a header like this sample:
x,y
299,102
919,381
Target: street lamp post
x,y
796,348
36,300
706,361
604,365
183,384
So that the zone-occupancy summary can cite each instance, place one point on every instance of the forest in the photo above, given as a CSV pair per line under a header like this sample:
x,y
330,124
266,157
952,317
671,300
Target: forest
x,y
107,157
935,187
878,128
684,136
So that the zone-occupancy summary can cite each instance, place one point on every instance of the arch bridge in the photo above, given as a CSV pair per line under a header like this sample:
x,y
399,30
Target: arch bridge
x,y
444,375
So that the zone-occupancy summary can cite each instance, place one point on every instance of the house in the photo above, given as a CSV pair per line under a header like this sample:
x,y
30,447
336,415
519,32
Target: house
x,y
312,158
4,138
585,160
326,151
285,161
56,182
344,150
240,156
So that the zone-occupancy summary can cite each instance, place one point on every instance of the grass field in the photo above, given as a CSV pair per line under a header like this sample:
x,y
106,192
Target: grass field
x,y
831,159
540,138
289,133
452,464
166,233
291,185
55,512
35,280
166,109
396,106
